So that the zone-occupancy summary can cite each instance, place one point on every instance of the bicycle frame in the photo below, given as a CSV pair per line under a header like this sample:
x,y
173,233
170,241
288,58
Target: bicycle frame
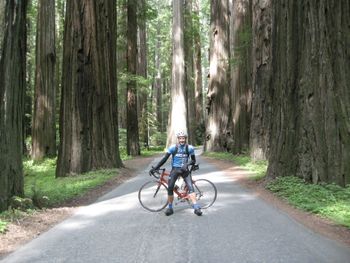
x,y
180,194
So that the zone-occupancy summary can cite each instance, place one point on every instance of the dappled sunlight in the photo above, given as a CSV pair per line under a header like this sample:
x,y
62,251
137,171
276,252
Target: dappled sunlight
x,y
225,199
242,6
213,65
214,177
74,225
213,128
87,215
122,203
236,113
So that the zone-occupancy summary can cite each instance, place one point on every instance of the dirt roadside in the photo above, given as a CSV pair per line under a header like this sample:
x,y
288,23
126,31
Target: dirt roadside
x,y
26,229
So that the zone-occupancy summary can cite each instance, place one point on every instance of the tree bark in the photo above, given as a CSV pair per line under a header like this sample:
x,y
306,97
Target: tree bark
x,y
218,91
133,146
178,111
198,86
189,72
310,131
262,74
44,124
2,24
88,119
142,71
237,141
121,62
12,89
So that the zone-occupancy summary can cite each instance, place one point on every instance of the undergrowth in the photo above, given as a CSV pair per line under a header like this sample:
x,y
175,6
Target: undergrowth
x,y
328,200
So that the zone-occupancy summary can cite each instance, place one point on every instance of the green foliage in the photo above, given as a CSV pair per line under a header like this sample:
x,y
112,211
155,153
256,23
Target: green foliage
x,y
20,203
3,226
125,77
328,200
123,154
41,185
258,168
158,138
200,133
152,151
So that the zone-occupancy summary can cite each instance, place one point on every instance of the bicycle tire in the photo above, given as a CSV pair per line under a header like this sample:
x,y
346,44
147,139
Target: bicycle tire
x,y
206,192
153,196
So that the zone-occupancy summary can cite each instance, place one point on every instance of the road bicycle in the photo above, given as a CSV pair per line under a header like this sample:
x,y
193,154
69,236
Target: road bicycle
x,y
153,195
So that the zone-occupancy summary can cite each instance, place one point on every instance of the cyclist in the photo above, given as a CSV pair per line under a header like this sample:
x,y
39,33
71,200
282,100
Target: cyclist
x,y
180,154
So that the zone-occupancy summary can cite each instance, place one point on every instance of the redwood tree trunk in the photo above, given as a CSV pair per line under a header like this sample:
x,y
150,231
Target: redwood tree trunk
x,y
88,120
178,112
310,132
241,91
189,75
2,24
133,147
12,88
198,86
121,62
218,88
44,124
142,71
262,58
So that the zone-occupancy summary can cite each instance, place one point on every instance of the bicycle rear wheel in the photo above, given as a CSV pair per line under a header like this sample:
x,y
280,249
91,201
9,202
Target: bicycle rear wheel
x,y
205,192
153,196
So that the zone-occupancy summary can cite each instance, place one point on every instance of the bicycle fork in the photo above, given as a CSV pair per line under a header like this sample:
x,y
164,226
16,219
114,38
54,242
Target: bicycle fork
x,y
155,193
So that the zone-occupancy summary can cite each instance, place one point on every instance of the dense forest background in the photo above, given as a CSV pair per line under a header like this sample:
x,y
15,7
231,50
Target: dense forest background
x,y
86,80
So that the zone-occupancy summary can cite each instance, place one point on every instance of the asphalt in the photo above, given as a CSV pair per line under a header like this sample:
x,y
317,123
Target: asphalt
x,y
239,227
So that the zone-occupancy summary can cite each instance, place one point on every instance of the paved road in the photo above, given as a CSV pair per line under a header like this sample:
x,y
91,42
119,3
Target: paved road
x,y
238,228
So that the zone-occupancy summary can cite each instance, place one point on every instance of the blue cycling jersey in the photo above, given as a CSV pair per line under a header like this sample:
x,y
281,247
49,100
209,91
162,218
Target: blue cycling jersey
x,y
180,157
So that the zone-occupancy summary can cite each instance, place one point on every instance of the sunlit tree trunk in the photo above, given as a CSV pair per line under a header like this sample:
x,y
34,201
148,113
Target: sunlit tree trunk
x,y
12,89
178,112
132,134
189,72
218,89
88,120
44,125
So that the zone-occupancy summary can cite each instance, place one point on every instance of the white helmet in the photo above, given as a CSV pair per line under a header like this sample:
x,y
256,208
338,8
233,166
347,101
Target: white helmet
x,y
181,134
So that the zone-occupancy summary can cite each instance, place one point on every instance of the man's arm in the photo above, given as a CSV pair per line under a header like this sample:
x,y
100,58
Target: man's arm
x,y
162,161
193,159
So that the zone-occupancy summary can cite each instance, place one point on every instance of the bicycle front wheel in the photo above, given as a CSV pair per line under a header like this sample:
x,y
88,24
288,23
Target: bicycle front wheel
x,y
153,196
205,192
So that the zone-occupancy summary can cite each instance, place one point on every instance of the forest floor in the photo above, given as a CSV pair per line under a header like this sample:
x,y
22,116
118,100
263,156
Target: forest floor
x,y
30,227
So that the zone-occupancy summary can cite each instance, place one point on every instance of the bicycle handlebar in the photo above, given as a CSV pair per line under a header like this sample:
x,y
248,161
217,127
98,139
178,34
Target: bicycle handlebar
x,y
158,172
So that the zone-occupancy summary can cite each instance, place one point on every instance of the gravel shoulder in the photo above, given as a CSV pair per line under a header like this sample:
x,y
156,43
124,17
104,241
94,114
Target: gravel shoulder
x,y
30,227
